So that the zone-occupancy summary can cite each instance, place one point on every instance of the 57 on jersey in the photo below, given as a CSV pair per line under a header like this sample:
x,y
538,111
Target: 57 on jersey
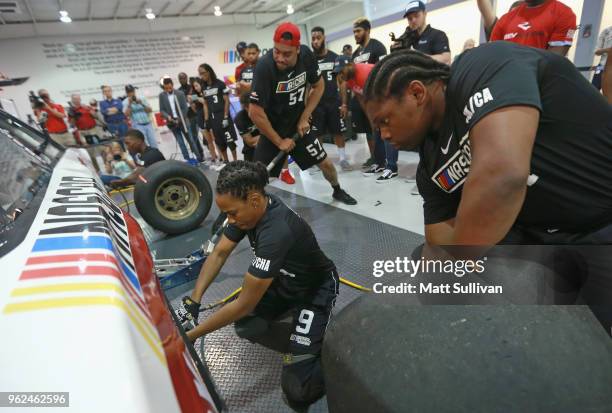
x,y
294,89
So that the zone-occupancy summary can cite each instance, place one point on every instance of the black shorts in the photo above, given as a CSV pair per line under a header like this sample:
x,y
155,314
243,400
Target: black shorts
x,y
361,123
326,119
248,153
310,315
308,152
224,137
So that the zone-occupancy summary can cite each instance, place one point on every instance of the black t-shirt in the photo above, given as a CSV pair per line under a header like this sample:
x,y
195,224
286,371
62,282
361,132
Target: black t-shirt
x,y
247,74
285,246
431,41
150,156
568,187
326,66
245,125
281,93
371,53
214,96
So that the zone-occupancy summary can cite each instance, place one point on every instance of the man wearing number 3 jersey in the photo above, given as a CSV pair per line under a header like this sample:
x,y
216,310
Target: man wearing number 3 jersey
x,y
282,105
289,277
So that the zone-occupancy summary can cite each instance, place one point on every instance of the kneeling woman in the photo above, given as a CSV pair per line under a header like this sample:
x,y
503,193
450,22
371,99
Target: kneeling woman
x,y
289,273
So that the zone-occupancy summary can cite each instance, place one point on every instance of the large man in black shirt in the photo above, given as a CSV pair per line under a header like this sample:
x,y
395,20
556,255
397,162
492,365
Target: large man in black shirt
x,y
515,147
369,51
326,117
281,106
289,273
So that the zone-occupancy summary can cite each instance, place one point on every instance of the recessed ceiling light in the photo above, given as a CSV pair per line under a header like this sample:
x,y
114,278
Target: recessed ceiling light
x,y
64,18
218,11
149,14
290,9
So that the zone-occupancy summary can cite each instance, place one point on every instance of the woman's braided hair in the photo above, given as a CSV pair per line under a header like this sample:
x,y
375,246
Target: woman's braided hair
x,y
392,74
238,178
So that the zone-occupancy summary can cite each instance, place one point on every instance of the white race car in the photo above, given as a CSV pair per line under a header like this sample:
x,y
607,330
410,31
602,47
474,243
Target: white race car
x,y
82,310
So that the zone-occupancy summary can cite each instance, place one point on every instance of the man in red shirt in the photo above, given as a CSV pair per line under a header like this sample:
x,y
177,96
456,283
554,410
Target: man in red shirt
x,y
82,117
55,124
543,24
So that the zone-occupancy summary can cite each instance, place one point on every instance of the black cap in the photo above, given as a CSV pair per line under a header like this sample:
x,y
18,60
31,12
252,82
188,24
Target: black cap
x,y
130,88
414,6
340,62
241,46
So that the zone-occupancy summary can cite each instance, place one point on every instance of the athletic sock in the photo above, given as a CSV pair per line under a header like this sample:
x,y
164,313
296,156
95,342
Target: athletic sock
x,y
342,153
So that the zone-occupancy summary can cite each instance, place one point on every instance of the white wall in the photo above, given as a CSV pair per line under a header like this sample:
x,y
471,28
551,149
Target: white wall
x,y
26,58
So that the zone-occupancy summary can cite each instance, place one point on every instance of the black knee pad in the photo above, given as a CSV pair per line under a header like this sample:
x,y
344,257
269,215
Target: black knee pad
x,y
250,327
302,379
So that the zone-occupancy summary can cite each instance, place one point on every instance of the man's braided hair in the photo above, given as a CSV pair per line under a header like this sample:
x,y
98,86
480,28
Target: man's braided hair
x,y
238,178
392,74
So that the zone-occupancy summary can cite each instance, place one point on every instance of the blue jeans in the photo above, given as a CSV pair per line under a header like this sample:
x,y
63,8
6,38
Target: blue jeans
x,y
106,179
179,135
119,129
391,155
379,149
148,132
194,130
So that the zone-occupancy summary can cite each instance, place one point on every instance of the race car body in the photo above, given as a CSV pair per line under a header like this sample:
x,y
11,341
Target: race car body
x,y
81,309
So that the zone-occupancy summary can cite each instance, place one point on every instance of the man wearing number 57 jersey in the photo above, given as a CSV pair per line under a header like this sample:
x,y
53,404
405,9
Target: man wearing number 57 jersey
x,y
289,277
281,106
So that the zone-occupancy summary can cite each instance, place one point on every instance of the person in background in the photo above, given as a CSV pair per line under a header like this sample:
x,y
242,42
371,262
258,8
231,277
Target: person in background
x,y
93,103
112,110
117,163
143,155
138,111
185,87
173,107
218,122
56,124
198,105
246,128
543,24
240,49
488,15
368,51
347,50
603,42
251,56
82,118
326,116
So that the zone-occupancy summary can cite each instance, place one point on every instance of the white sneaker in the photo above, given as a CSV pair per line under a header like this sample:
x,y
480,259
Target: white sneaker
x,y
386,176
345,165
373,170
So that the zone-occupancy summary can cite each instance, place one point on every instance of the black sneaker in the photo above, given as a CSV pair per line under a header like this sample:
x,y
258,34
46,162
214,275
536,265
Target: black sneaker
x,y
295,406
373,170
368,163
342,196
386,176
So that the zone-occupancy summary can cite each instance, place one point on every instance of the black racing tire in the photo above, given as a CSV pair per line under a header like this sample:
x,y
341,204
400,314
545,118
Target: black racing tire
x,y
218,222
173,197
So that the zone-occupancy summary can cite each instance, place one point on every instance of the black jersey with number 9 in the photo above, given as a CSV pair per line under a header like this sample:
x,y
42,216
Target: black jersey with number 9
x,y
282,93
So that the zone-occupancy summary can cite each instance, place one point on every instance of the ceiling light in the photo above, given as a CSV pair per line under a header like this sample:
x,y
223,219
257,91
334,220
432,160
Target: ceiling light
x,y
64,18
218,11
290,9
149,14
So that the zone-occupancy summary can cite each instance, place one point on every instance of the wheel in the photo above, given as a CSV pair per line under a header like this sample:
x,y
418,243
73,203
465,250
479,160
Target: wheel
x,y
173,197
218,222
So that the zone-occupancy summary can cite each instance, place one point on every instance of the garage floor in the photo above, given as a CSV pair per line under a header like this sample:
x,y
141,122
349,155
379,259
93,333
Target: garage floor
x,y
248,375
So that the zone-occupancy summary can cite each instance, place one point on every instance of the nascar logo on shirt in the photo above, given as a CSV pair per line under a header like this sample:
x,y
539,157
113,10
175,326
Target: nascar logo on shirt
x,y
453,173
291,84
261,264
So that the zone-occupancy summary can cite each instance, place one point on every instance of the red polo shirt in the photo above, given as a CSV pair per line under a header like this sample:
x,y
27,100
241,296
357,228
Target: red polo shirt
x,y
55,124
85,121
547,25
238,70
